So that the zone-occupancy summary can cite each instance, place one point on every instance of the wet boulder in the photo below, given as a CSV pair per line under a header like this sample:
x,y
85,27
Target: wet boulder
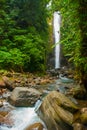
x,y
1,119
22,97
35,126
4,112
7,83
60,100
57,111
79,126
5,109
83,116
79,92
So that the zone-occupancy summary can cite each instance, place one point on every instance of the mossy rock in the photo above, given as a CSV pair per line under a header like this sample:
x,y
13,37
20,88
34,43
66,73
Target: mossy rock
x,y
62,101
35,126
57,111
83,118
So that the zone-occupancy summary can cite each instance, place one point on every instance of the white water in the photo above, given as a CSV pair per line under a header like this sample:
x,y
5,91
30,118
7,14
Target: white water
x,y
21,118
56,26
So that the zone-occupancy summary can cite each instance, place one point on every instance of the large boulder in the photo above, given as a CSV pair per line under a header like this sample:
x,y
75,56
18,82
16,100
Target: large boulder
x,y
22,97
57,111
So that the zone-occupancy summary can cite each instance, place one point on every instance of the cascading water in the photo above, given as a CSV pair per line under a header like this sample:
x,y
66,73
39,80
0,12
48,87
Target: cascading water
x,y
56,26
22,117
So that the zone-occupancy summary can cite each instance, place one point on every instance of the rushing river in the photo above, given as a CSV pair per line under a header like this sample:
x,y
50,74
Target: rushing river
x,y
21,117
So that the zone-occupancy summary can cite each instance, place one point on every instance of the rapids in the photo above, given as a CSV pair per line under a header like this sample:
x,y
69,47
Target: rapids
x,y
21,117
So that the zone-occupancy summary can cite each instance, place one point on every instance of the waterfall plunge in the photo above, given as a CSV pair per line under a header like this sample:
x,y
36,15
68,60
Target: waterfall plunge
x,y
56,26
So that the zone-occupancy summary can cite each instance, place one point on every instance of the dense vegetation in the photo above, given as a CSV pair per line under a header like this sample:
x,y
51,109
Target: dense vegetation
x,y
73,34
23,34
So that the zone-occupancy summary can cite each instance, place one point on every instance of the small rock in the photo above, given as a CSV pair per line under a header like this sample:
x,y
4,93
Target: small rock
x,y
8,83
78,126
83,110
1,103
1,119
83,118
2,84
35,126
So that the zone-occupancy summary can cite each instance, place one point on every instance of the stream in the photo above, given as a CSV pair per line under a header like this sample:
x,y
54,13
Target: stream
x,y
21,117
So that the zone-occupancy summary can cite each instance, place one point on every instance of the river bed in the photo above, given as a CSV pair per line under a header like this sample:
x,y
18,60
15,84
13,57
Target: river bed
x,y
22,117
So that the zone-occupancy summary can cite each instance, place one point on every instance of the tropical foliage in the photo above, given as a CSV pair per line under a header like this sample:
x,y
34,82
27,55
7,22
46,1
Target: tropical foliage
x,y
73,33
23,34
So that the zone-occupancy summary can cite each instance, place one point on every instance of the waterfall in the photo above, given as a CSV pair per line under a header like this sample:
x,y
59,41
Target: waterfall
x,y
56,26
